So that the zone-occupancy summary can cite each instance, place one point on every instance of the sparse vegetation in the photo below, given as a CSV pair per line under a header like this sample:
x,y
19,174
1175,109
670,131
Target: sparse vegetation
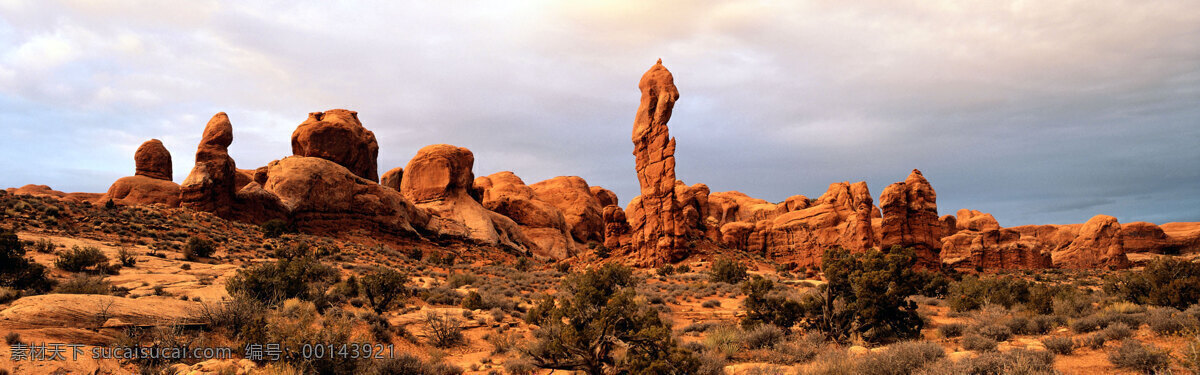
x,y
866,296
1059,345
1134,355
302,277
764,307
1164,282
597,311
727,270
17,271
383,288
198,247
86,259
83,284
442,329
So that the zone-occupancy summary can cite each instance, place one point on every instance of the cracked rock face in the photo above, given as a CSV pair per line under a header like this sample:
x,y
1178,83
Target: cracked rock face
x,y
910,219
153,160
655,215
211,185
338,136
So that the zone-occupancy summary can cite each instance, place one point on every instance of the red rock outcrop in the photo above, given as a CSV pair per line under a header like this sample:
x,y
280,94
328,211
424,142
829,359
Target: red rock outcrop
x,y
616,225
1186,236
654,214
210,186
573,197
604,196
392,178
153,160
910,219
994,249
839,218
975,220
438,179
337,135
693,209
151,182
542,222
143,190
46,191
1099,244
1143,237
949,225
322,196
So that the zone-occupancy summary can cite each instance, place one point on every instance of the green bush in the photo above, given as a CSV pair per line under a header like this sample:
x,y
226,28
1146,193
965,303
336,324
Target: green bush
x,y
973,292
126,257
597,311
725,339
17,271
197,247
1090,323
473,301
78,259
950,330
84,285
442,329
384,287
305,278
1116,331
1016,361
1059,345
727,270
44,246
978,343
866,295
764,307
274,228
295,323
900,358
996,332
408,364
1145,358
666,270
1169,321
1190,356
1164,282
763,336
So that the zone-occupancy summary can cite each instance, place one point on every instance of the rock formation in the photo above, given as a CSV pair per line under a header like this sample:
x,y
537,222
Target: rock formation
x,y
616,225
975,220
542,222
322,196
1143,237
841,217
211,184
1099,244
949,225
153,160
994,249
392,178
910,219
337,135
656,236
143,190
151,182
573,197
438,179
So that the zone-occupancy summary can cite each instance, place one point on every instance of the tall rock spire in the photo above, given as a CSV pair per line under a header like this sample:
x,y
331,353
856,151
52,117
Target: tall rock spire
x,y
654,215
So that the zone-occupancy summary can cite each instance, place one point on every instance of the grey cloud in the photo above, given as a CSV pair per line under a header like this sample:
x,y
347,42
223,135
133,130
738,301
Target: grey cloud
x,y
1007,107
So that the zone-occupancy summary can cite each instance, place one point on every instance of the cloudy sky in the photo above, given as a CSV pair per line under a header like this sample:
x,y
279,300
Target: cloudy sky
x,y
1035,111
